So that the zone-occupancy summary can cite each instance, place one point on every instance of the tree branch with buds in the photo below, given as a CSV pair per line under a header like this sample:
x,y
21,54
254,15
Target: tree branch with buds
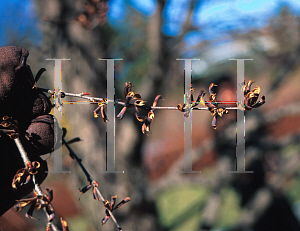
x,y
27,175
134,100
93,184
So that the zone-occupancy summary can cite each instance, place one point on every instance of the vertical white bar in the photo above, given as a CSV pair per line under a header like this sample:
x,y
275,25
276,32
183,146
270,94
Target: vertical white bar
x,y
188,150
57,155
110,124
240,119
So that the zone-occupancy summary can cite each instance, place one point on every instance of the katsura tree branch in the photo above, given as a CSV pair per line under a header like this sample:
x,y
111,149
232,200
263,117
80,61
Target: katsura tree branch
x,y
134,100
93,184
37,187
97,100
28,174
39,192
73,155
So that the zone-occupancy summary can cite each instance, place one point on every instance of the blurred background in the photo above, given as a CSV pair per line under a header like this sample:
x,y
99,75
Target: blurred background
x,y
149,36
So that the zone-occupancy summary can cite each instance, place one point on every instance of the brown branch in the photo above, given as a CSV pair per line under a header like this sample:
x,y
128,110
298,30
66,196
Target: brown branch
x,y
90,179
37,187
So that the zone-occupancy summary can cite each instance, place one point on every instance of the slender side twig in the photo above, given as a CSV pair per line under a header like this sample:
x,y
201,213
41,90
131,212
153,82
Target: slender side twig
x,y
37,187
90,179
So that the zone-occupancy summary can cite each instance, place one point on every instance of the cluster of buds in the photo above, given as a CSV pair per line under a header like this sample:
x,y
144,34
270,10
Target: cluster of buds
x,y
213,105
100,108
93,185
147,119
38,202
10,127
110,206
251,96
24,175
129,97
138,103
132,100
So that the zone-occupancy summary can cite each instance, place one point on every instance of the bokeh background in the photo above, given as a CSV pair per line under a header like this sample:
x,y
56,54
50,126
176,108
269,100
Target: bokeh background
x,y
149,36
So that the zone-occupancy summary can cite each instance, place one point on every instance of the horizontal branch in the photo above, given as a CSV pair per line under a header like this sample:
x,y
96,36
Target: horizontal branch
x,y
193,108
96,100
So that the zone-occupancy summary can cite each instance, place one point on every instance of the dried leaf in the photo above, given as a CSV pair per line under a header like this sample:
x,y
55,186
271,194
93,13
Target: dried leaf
x,y
210,89
20,178
158,97
18,207
131,94
212,97
181,107
251,96
260,102
138,116
256,90
137,96
200,96
221,111
247,87
213,111
34,166
139,103
144,128
146,125
151,115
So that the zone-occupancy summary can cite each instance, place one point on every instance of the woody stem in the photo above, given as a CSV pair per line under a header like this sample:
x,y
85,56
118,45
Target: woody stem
x,y
37,188
90,179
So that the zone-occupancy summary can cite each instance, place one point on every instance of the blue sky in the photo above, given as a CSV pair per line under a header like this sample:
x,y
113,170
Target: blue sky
x,y
214,16
18,20
223,14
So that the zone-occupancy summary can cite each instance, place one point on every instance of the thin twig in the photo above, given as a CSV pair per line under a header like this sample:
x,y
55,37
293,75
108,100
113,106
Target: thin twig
x,y
22,152
79,161
121,102
37,188
90,179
